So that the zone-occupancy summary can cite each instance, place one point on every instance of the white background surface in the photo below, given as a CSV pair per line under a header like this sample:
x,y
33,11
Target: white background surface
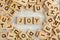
x,y
28,13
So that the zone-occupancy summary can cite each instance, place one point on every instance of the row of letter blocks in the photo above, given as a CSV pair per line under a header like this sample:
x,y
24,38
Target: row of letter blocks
x,y
28,20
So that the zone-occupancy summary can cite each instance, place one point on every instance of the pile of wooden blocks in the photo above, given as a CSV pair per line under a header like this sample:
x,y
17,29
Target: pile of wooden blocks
x,y
51,26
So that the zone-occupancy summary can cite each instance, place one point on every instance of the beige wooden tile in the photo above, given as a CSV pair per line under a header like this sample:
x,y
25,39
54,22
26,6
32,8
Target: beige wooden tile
x,y
37,32
6,8
22,2
36,20
57,30
11,12
50,19
20,20
29,20
29,6
16,6
37,8
9,2
48,3
47,27
11,36
4,19
54,37
3,1
41,35
23,35
16,31
58,17
3,35
30,33
1,6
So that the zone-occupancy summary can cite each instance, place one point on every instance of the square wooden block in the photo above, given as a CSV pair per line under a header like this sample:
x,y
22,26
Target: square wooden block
x,y
3,35
11,12
40,2
11,35
1,6
57,30
58,17
6,8
30,33
54,37
48,3
9,2
29,6
50,19
20,20
55,24
8,17
22,2
3,25
37,8
47,27
29,20
16,6
23,35
4,19
36,20
52,12
16,31
42,35
9,26
37,33
3,1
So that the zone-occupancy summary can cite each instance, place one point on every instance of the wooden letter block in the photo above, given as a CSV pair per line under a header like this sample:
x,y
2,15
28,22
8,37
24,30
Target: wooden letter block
x,y
36,20
37,8
16,31
3,35
29,6
2,25
22,2
48,3
54,37
23,35
11,35
55,24
3,1
30,33
6,8
11,12
37,33
57,30
50,20
42,35
40,2
1,6
8,17
9,26
58,18
4,19
28,20
9,2
52,12
20,20
32,1
47,27
16,6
